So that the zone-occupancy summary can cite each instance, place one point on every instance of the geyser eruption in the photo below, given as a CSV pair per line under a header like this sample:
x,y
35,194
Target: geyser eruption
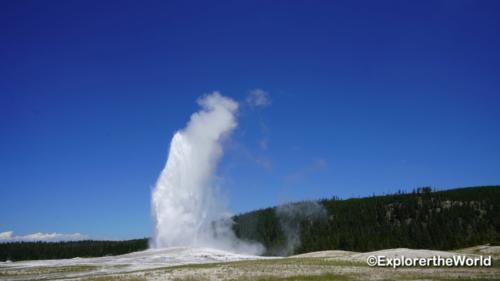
x,y
186,208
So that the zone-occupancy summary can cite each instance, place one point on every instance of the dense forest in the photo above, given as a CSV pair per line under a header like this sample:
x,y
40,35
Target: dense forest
x,y
16,251
423,218
441,220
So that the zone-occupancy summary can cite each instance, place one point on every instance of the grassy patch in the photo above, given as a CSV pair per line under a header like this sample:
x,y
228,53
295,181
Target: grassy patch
x,y
319,277
466,279
115,278
47,270
191,278
301,261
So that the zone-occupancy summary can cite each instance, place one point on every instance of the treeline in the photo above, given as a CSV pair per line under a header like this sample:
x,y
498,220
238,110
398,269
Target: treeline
x,y
442,220
16,251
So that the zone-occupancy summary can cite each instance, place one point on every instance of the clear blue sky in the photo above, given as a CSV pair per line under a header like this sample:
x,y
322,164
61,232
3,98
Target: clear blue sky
x,y
367,97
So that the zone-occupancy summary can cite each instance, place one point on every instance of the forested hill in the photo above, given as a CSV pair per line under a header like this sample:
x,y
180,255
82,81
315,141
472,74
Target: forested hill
x,y
444,220
16,251
425,219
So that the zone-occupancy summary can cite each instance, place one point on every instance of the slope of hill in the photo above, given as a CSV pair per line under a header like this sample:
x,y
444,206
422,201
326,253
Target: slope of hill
x,y
423,219
442,220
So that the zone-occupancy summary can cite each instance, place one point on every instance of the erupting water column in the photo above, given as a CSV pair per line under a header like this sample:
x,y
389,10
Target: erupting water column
x,y
185,207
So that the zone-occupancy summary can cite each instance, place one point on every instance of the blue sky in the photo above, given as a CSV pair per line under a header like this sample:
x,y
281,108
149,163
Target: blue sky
x,y
365,97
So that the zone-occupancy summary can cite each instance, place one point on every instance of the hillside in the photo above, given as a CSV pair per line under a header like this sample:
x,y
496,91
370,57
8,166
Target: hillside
x,y
442,220
16,251
422,219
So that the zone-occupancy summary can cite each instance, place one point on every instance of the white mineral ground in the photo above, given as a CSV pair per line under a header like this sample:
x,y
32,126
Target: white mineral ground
x,y
138,262
151,258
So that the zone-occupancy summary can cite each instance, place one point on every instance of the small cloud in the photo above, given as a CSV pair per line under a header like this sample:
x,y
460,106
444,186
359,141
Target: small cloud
x,y
258,98
39,236
5,235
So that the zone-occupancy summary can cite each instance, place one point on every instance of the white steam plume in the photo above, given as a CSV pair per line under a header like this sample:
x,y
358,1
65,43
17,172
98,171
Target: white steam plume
x,y
290,216
186,209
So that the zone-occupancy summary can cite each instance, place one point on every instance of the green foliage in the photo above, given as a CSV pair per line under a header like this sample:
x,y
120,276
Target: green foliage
x,y
16,251
440,220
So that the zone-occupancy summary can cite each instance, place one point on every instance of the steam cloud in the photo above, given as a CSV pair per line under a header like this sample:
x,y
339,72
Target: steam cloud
x,y
186,209
290,215
258,98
